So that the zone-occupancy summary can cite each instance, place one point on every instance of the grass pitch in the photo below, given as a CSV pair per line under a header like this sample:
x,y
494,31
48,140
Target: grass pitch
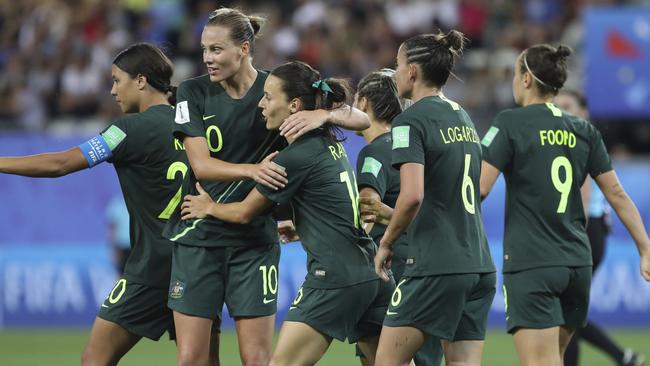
x,y
63,347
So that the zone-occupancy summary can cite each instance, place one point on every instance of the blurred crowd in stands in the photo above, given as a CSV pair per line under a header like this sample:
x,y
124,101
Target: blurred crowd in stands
x,y
55,55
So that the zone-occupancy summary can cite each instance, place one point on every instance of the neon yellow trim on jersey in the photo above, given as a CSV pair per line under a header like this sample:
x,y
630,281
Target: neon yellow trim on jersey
x,y
187,230
557,112
455,106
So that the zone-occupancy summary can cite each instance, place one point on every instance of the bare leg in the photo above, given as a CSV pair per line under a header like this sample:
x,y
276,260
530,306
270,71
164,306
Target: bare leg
x,y
369,348
397,345
107,344
299,345
193,340
255,337
565,338
462,353
538,346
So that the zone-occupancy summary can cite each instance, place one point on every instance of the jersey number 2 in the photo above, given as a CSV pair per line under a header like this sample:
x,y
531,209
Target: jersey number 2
x,y
176,167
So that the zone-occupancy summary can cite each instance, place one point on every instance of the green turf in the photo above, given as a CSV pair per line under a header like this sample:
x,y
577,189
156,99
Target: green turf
x,y
63,347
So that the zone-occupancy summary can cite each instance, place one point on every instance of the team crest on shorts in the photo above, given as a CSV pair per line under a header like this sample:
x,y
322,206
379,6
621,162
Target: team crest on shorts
x,y
176,290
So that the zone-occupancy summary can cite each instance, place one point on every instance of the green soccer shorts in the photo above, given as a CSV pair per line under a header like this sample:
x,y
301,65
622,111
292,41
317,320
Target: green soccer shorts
x,y
452,307
244,278
140,309
547,297
354,312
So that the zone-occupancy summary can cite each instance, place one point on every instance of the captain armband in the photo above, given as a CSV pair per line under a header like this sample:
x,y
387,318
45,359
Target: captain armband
x,y
96,150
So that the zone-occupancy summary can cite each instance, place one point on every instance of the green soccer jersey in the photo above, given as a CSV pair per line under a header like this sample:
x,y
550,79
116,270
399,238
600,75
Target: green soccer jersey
x,y
545,155
446,236
322,192
235,132
150,165
374,170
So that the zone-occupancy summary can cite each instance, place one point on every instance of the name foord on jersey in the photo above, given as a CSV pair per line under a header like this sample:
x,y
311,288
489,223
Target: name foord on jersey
x,y
455,134
557,137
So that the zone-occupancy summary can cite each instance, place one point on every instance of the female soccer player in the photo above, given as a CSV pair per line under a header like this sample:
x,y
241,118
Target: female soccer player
x,y
341,296
448,284
545,155
378,181
598,227
224,135
150,166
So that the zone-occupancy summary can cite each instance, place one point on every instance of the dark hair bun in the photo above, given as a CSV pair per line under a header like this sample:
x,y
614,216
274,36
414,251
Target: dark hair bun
x,y
256,23
562,52
454,40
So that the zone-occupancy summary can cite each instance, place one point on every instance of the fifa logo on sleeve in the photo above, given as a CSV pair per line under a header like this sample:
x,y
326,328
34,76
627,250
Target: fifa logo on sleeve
x,y
182,113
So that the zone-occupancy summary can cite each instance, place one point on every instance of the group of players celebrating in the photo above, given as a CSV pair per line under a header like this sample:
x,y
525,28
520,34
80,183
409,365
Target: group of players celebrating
x,y
398,260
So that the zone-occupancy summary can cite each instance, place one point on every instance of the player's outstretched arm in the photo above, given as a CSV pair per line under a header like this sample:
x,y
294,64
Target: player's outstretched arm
x,y
206,167
202,205
628,213
344,116
48,165
489,175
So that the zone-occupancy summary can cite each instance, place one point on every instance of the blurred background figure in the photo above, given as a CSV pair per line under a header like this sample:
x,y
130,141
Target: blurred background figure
x,y
117,217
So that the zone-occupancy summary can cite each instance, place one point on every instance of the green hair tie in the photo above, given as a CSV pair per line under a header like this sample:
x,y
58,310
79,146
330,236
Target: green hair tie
x,y
322,85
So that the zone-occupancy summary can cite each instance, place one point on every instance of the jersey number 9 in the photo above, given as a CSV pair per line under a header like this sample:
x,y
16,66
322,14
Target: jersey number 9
x,y
562,186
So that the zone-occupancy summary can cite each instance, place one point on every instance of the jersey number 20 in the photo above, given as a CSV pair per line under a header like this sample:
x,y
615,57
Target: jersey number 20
x,y
176,167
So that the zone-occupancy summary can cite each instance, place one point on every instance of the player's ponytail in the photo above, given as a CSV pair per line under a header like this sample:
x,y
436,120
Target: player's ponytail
x,y
380,90
171,94
435,54
299,80
547,66
149,61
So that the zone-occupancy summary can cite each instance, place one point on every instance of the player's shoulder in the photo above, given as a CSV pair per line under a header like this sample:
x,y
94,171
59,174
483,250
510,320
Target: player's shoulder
x,y
511,114
126,122
300,153
196,83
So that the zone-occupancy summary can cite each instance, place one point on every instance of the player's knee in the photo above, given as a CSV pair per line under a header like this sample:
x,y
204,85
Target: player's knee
x,y
92,357
189,357
280,359
258,357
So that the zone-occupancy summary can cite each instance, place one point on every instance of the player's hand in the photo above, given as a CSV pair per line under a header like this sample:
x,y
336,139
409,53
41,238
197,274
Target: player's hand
x,y
373,210
645,265
287,231
302,122
196,207
269,173
383,260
